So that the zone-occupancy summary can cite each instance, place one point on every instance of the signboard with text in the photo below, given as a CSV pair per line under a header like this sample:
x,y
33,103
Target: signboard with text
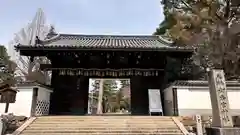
x,y
155,104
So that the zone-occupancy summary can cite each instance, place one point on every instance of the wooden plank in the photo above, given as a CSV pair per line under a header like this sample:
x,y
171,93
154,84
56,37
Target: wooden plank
x,y
180,126
24,126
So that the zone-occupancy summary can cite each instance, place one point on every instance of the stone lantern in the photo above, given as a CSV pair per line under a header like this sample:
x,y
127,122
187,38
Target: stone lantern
x,y
8,95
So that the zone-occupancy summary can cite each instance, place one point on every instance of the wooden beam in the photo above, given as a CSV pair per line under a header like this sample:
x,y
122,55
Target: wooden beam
x,y
45,66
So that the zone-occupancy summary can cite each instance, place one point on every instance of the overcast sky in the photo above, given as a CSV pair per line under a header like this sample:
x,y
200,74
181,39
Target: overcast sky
x,y
82,16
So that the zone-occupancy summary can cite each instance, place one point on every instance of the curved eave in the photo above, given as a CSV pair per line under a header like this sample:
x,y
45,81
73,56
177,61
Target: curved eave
x,y
78,48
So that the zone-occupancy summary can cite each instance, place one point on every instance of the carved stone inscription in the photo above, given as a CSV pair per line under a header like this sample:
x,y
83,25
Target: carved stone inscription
x,y
219,99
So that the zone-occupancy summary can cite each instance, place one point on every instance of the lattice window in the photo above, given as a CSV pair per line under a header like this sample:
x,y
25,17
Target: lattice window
x,y
42,108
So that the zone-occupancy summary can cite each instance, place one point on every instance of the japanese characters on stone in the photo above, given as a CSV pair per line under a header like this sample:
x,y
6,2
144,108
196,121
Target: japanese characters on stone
x,y
222,96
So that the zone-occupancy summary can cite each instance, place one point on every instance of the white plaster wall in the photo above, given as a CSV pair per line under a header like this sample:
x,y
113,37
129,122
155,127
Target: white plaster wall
x,y
197,101
22,106
44,94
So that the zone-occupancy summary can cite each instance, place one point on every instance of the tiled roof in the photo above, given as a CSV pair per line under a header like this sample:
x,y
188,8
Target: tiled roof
x,y
108,42
33,83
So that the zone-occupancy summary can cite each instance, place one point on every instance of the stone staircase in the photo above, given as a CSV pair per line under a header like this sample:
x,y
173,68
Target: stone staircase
x,y
102,125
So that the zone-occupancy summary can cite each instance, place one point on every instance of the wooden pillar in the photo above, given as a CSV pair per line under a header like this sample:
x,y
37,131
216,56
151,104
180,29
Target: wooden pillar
x,y
79,96
34,101
139,93
175,102
139,98
53,95
85,92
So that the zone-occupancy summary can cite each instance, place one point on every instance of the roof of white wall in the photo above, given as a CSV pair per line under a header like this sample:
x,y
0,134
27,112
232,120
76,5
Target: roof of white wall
x,y
33,83
200,84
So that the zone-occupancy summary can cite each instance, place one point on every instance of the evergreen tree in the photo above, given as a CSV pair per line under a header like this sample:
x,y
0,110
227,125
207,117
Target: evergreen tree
x,y
168,21
122,101
109,87
125,83
7,68
109,93
211,27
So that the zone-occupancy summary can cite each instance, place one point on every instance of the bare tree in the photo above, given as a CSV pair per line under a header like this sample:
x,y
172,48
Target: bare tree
x,y
27,69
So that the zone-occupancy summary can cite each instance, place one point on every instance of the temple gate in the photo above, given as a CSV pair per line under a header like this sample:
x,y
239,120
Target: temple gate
x,y
76,58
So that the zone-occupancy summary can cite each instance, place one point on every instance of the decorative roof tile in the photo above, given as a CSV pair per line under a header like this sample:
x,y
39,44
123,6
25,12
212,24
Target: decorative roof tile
x,y
109,41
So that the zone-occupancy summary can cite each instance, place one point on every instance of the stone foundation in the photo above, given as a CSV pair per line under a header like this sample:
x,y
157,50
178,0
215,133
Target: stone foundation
x,y
223,131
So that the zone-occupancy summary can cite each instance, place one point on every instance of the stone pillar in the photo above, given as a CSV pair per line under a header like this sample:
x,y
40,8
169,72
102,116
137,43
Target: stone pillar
x,y
219,99
199,124
222,121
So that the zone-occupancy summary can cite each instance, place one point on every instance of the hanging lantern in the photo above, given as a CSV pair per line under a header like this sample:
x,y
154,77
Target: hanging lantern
x,y
97,73
114,73
102,74
62,72
81,72
68,72
140,73
111,73
156,73
94,72
147,73
108,73
151,73
84,73
87,73
127,73
77,72
124,73
71,73
90,73
120,73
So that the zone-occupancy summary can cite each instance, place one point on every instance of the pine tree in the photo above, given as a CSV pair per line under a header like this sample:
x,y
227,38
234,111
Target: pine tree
x,y
125,83
123,101
109,93
168,21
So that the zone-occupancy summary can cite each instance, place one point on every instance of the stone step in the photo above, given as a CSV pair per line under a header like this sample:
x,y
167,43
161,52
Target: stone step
x,y
99,126
104,134
69,124
103,125
164,120
103,128
102,116
101,131
116,117
107,122
104,120
107,117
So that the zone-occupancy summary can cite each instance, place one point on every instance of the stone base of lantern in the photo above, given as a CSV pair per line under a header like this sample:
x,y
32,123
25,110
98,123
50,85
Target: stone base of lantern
x,y
223,131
